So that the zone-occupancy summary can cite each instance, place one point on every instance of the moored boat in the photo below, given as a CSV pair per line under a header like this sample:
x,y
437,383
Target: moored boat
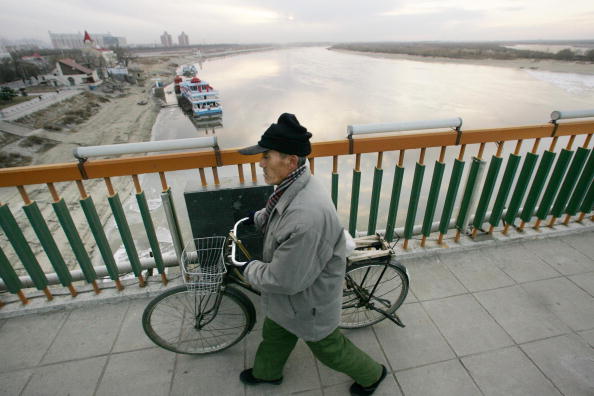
x,y
198,98
189,70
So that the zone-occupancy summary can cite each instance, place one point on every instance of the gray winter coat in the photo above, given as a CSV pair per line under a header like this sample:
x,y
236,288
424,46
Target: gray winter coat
x,y
303,266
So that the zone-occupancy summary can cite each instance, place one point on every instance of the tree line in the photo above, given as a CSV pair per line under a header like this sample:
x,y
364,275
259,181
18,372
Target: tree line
x,y
465,51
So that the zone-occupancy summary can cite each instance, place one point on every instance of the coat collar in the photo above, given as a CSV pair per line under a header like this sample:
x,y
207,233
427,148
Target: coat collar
x,y
292,191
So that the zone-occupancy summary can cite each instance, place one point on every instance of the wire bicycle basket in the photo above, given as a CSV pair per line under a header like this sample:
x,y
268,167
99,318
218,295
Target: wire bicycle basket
x,y
202,264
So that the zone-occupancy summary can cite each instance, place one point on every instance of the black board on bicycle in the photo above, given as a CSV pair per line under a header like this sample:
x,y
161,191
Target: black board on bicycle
x,y
214,210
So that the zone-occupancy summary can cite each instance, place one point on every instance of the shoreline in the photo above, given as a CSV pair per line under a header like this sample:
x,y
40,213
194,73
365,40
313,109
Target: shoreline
x,y
549,65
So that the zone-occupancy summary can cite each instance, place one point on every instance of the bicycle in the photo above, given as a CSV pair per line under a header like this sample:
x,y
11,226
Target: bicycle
x,y
209,313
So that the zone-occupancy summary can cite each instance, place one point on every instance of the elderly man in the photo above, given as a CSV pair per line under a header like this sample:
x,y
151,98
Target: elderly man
x,y
302,271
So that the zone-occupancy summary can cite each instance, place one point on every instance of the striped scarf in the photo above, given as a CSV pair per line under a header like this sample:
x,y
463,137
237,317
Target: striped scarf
x,y
280,190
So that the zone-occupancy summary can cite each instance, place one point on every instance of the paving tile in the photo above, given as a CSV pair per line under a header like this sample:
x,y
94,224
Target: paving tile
x,y
71,378
132,336
13,383
585,281
520,316
440,379
317,392
366,340
475,270
431,279
588,336
388,387
561,256
508,372
300,371
567,360
521,264
582,242
24,341
87,332
146,372
466,325
216,374
419,343
570,303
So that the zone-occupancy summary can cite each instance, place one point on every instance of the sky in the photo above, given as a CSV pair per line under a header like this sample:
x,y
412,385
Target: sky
x,y
284,21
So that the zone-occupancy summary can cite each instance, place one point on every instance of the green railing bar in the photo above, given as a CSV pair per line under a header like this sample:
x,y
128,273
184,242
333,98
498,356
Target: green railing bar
x,y
521,187
335,189
488,187
10,278
413,204
554,183
76,243
48,243
394,200
97,229
124,228
467,196
22,248
504,188
448,207
375,196
354,202
433,196
581,186
569,183
150,231
588,203
538,183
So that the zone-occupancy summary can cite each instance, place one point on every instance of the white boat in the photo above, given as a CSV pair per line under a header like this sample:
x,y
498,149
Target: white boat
x,y
197,97
189,70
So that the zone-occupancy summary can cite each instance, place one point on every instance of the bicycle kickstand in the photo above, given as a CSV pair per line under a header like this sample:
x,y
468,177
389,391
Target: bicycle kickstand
x,y
393,317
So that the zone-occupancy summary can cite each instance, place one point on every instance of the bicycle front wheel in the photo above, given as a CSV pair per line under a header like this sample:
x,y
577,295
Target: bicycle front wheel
x,y
183,321
383,285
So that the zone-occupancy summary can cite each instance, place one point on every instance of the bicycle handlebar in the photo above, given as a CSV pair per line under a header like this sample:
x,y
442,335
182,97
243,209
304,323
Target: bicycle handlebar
x,y
236,242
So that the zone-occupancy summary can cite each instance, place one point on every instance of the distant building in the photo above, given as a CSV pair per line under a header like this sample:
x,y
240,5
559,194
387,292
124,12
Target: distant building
x,y
75,41
95,50
35,59
70,73
183,39
166,40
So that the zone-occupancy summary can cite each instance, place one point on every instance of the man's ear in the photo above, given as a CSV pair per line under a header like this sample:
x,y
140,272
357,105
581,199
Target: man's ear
x,y
293,161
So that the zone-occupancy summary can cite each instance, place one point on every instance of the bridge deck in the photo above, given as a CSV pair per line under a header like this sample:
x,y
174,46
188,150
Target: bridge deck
x,y
514,320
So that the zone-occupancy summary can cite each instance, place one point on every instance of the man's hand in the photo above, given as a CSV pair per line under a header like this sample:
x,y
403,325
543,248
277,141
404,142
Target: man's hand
x,y
242,268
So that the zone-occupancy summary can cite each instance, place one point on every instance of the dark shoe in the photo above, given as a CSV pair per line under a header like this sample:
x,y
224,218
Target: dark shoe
x,y
248,378
358,390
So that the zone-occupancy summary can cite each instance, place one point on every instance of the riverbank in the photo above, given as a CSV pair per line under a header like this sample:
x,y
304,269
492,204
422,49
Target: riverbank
x,y
550,65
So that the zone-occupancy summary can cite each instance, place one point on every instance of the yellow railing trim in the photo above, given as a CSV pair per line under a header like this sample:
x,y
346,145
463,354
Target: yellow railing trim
x,y
125,166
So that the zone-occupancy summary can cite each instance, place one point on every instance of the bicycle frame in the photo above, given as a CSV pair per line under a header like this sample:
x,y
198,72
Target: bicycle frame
x,y
364,298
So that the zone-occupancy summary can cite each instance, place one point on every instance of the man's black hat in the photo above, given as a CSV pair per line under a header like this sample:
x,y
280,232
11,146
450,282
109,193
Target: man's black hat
x,y
286,136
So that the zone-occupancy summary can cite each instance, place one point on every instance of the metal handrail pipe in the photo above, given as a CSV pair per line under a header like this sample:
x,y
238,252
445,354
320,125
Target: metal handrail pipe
x,y
78,275
404,126
569,114
144,147
418,229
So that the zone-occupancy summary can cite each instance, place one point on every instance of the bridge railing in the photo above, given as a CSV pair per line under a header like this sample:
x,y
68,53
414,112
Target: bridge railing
x,y
535,185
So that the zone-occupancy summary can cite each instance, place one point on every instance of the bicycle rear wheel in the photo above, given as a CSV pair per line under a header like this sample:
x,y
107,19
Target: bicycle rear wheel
x,y
387,283
183,321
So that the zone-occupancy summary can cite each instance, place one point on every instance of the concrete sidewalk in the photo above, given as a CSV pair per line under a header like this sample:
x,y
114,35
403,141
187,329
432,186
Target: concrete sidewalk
x,y
517,320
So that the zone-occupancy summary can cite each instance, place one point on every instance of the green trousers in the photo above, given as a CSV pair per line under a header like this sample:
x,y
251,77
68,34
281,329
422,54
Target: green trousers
x,y
335,351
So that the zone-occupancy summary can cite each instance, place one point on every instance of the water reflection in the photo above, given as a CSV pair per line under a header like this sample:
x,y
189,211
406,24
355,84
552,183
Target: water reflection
x,y
329,90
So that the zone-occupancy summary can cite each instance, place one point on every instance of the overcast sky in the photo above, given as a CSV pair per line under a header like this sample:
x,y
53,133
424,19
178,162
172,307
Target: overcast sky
x,y
242,21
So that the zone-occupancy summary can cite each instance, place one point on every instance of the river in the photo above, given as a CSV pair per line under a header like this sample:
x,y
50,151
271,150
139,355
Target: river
x,y
329,90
